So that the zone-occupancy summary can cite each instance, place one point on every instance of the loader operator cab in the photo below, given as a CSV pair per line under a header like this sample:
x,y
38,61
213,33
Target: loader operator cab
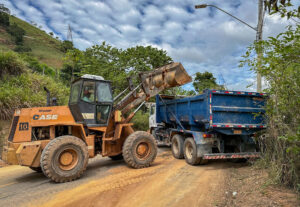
x,y
91,100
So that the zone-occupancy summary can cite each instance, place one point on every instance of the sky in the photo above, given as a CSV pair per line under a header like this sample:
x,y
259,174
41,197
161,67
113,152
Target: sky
x,y
202,40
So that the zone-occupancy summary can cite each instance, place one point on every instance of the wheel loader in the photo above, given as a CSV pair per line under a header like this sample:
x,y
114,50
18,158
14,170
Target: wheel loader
x,y
58,140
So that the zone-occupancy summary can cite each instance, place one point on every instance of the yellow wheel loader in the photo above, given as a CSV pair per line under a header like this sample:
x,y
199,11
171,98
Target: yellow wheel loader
x,y
58,140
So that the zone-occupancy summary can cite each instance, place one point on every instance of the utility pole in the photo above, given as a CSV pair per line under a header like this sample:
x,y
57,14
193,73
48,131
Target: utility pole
x,y
261,14
258,29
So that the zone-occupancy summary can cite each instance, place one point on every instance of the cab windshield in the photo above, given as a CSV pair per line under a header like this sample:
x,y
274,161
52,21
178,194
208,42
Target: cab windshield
x,y
103,93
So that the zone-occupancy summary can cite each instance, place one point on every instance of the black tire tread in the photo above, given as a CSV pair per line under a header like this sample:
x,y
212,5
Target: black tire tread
x,y
128,157
181,145
55,143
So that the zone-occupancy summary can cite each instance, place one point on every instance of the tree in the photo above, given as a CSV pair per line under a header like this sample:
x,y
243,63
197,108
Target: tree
x,y
284,7
51,34
116,64
280,66
66,45
4,19
17,33
205,80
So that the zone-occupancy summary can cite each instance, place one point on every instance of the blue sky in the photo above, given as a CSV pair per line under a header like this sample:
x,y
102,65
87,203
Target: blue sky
x,y
203,39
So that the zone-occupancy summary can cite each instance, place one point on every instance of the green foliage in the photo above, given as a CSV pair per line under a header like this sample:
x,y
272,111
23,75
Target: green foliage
x,y
10,64
112,63
179,91
17,33
141,120
281,68
284,7
26,90
4,19
66,45
22,48
36,66
205,80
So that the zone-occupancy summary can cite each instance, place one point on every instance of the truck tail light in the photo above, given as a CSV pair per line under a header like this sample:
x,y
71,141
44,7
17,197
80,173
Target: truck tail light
x,y
207,135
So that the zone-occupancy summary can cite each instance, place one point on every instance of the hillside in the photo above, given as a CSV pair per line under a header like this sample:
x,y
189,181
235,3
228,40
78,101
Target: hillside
x,y
44,47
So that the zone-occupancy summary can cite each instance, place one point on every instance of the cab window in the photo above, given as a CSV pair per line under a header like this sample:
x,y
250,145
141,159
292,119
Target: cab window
x,y
103,92
75,92
88,91
102,113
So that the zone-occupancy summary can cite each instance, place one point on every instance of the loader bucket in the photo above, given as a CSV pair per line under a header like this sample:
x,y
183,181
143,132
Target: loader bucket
x,y
152,83
167,76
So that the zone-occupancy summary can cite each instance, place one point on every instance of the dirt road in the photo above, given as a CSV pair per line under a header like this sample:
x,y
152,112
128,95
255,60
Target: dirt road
x,y
169,182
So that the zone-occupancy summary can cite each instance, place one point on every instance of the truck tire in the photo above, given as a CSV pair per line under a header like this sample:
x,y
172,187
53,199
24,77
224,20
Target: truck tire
x,y
190,152
36,169
177,146
139,149
116,157
64,159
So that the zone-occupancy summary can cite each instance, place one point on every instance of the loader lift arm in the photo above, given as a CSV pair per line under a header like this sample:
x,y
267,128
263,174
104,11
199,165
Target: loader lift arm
x,y
151,83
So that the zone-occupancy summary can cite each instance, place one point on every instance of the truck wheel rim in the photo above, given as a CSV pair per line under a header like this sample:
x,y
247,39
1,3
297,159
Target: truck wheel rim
x,y
175,147
189,150
68,159
143,150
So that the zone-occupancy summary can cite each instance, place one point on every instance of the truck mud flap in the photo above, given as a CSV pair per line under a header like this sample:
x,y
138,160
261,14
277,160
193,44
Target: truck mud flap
x,y
217,156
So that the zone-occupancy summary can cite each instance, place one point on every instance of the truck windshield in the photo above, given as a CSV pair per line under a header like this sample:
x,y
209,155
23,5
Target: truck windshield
x,y
103,92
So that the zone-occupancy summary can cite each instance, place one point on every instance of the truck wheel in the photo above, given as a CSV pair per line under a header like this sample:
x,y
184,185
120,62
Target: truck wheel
x,y
64,159
139,149
36,169
177,146
190,152
116,157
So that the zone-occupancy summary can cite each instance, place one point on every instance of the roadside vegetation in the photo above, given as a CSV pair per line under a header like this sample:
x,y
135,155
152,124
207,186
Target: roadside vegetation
x,y
280,66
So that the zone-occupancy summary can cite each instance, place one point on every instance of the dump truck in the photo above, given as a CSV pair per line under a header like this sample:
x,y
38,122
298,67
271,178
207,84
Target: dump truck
x,y
217,124
58,140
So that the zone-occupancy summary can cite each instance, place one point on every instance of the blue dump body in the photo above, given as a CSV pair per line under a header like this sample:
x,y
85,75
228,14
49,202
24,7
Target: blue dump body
x,y
219,124
214,110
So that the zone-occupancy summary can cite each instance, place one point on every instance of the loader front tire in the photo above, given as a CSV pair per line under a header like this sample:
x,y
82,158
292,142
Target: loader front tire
x,y
139,149
64,159
177,146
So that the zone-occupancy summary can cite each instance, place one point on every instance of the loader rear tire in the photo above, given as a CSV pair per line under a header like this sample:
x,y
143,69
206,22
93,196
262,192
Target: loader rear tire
x,y
64,159
36,169
177,146
190,152
139,149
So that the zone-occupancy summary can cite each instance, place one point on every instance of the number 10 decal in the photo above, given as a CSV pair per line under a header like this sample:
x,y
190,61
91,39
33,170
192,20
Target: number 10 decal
x,y
23,126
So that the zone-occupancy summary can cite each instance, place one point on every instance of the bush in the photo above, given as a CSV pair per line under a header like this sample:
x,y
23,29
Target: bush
x,y
36,66
4,19
22,48
141,120
17,33
10,64
280,66
66,45
27,90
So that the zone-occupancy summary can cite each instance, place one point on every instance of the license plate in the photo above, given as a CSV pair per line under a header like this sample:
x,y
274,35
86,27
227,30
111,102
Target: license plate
x,y
237,131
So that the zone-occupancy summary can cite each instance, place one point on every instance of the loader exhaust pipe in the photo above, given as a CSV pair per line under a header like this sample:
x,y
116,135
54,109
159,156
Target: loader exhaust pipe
x,y
48,96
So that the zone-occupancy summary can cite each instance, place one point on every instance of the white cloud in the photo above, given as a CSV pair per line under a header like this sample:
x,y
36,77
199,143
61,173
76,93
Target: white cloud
x,y
202,39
